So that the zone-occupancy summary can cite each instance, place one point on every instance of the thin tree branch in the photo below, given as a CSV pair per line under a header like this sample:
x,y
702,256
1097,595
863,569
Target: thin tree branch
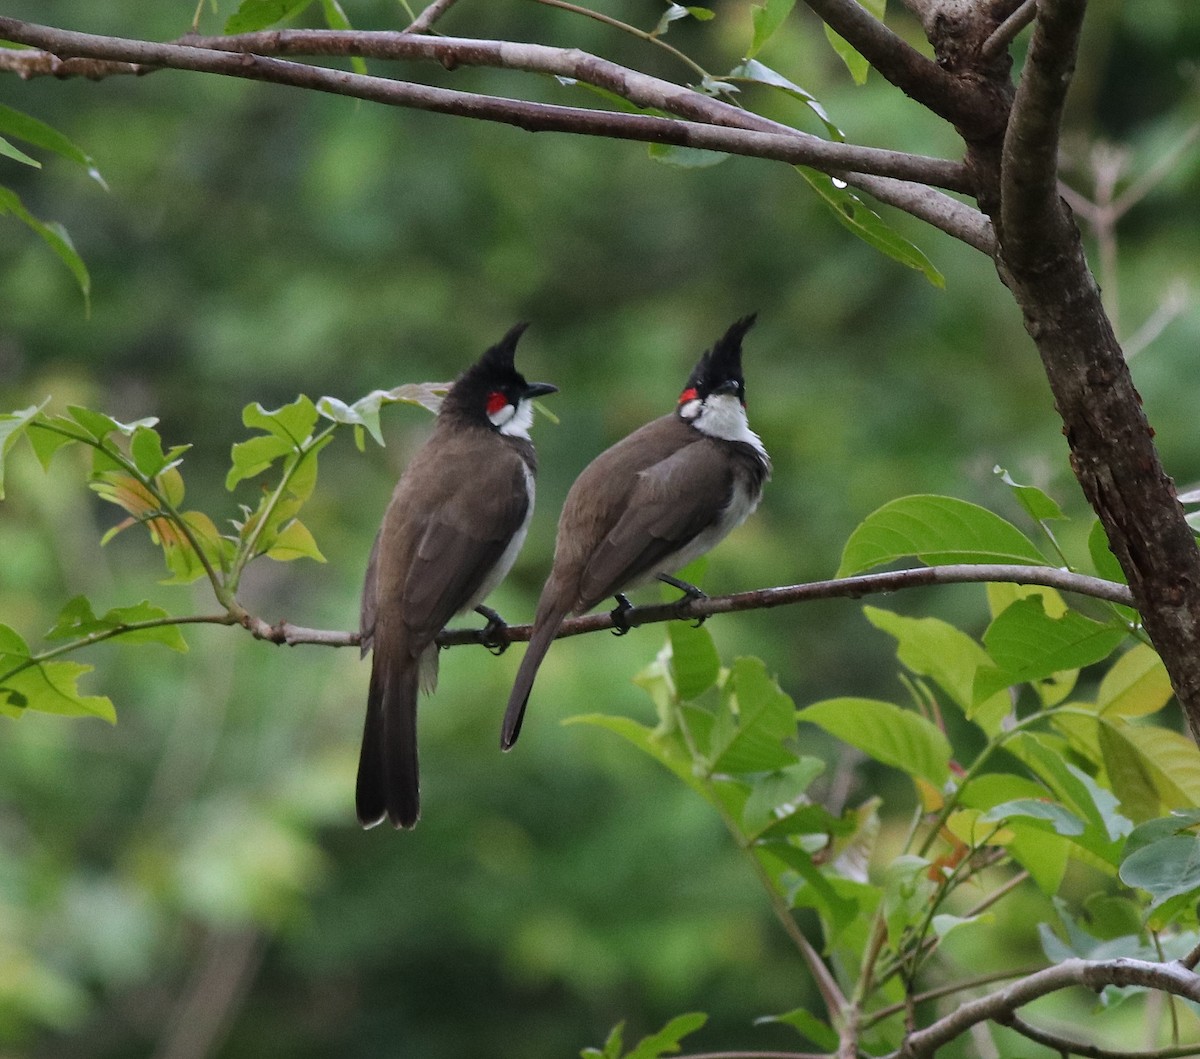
x,y
1070,1046
1005,33
955,218
794,148
1090,974
760,599
423,23
949,989
899,62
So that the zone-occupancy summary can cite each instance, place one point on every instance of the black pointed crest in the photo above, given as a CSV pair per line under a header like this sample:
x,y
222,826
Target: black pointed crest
x,y
494,370
723,362
500,356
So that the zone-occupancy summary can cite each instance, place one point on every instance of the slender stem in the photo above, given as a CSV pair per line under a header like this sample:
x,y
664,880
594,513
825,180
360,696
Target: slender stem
x,y
1069,1046
423,23
119,630
946,990
1005,33
246,550
625,27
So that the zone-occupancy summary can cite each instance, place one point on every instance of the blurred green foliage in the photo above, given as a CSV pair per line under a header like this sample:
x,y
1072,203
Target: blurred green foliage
x,y
191,881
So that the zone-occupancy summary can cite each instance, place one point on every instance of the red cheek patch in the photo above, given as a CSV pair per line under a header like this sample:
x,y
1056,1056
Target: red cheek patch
x,y
495,402
688,395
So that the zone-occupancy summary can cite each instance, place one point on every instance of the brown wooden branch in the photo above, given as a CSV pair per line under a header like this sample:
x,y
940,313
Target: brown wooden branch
x,y
760,599
1112,450
794,148
423,23
1069,1046
1171,978
899,62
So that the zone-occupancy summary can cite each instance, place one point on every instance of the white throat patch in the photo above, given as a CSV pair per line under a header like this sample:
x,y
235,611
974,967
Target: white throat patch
x,y
722,415
514,422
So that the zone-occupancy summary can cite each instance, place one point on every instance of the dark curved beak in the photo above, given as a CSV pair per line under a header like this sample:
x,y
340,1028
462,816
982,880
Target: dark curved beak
x,y
538,389
728,386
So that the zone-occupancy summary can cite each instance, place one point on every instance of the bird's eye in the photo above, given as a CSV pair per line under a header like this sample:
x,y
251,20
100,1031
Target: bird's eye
x,y
688,395
495,402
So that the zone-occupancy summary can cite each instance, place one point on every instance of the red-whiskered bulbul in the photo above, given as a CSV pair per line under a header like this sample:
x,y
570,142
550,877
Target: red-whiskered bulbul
x,y
455,523
651,504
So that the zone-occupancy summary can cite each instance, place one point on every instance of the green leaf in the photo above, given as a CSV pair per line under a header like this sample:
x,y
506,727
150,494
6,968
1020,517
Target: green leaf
x,y
51,688
12,426
146,449
335,18
1060,819
1136,685
1166,761
807,1025
883,731
251,458
12,643
612,1045
54,235
686,157
750,733
935,529
943,924
1165,868
253,15
1103,559
97,424
695,663
753,70
767,18
294,541
292,423
930,647
49,434
38,133
666,1041
7,150
855,63
77,620
1037,504
1027,644
907,891
1105,826
778,794
858,218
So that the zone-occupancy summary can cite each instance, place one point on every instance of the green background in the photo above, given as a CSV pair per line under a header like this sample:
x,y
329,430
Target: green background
x,y
193,877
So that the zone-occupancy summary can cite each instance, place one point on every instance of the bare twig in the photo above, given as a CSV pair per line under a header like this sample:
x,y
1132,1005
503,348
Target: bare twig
x,y
794,148
1090,974
218,987
1006,32
423,23
1069,1046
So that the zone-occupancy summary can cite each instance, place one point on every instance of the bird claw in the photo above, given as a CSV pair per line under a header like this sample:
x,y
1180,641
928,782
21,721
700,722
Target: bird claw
x,y
618,614
494,635
690,593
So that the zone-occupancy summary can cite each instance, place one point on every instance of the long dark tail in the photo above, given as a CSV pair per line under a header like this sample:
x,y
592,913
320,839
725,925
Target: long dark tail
x,y
387,765
545,627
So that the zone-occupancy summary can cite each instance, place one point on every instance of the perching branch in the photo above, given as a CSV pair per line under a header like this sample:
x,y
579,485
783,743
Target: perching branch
x,y
793,147
1171,978
1069,1046
759,599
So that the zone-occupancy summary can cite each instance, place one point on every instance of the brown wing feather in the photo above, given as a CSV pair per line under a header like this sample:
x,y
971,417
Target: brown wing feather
x,y
659,519
437,551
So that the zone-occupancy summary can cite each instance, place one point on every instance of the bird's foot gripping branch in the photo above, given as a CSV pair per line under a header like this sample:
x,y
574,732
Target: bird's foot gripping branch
x,y
1035,748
